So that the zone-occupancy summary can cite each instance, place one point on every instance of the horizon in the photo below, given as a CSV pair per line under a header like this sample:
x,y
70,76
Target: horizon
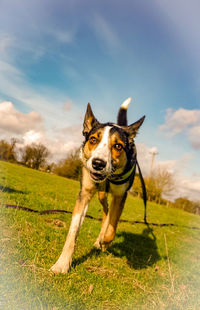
x,y
57,57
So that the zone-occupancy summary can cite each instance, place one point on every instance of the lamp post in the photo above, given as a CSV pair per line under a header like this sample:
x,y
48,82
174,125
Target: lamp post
x,y
153,152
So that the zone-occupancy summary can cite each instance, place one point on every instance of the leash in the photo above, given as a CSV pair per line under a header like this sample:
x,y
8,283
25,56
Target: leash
x,y
144,192
119,179
122,178
95,218
45,211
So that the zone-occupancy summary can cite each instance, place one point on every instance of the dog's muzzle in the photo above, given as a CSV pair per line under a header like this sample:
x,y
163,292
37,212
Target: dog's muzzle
x,y
98,164
98,174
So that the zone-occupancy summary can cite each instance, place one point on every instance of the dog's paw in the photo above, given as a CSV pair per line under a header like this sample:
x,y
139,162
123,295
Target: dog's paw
x,y
104,246
101,245
59,267
97,244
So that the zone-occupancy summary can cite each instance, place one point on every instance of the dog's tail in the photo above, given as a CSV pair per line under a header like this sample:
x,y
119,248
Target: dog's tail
x,y
122,115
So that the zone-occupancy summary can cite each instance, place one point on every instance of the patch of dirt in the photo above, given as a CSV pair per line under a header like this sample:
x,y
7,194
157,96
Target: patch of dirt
x,y
56,223
107,273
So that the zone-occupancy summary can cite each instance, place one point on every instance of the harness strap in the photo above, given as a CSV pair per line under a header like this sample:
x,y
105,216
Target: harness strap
x,y
123,178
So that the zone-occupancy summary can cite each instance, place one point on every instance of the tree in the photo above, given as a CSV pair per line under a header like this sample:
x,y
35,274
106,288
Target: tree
x,y
187,205
154,192
158,184
136,189
70,167
7,150
35,155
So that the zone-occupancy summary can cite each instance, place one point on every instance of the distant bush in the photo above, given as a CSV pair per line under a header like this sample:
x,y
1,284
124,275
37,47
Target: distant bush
x,y
70,167
187,205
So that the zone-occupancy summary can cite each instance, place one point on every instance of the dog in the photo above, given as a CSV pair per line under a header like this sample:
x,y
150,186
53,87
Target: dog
x,y
108,155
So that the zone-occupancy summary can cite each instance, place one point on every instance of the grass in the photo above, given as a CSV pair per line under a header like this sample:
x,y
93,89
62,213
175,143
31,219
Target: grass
x,y
145,268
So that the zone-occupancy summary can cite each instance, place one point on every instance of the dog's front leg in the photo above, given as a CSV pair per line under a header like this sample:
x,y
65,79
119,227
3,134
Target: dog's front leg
x,y
64,262
103,200
108,229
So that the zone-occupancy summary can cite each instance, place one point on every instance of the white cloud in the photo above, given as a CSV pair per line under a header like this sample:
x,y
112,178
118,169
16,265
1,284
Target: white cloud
x,y
178,121
65,140
194,137
153,150
28,128
32,136
189,187
59,142
47,101
15,122
183,120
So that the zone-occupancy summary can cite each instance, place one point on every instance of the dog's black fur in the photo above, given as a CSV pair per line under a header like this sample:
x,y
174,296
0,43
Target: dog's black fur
x,y
109,162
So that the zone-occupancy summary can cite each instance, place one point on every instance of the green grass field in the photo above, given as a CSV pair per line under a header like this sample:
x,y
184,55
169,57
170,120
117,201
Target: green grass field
x,y
145,268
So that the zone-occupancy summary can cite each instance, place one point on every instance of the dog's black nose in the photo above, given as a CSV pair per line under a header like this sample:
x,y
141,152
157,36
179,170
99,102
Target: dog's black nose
x,y
98,164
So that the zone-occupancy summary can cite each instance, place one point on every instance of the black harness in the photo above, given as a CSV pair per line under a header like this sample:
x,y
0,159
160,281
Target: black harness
x,y
127,175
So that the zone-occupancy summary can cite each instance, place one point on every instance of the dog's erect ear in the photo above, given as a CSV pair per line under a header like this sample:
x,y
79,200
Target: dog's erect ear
x,y
133,128
90,121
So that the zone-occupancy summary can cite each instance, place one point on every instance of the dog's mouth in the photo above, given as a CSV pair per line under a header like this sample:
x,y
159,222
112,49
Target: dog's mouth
x,y
98,177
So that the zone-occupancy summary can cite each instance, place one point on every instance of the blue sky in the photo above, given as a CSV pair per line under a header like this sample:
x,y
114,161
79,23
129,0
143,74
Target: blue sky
x,y
55,56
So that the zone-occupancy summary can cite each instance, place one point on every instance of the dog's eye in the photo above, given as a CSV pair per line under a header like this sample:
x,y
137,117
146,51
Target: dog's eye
x,y
93,140
118,146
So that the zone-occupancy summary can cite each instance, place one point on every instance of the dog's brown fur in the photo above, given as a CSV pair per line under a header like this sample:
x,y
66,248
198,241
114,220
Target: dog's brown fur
x,y
110,145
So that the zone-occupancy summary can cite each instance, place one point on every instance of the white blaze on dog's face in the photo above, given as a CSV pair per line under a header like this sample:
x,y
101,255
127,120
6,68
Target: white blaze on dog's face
x,y
102,151
97,154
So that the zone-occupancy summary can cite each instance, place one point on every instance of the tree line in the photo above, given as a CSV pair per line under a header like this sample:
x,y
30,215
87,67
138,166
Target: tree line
x,y
159,184
33,155
36,156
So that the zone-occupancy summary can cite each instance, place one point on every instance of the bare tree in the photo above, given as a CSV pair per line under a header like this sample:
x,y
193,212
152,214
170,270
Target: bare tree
x,y
136,189
160,183
165,181
35,155
7,150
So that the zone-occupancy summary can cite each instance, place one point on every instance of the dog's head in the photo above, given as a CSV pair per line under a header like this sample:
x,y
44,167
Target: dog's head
x,y
107,147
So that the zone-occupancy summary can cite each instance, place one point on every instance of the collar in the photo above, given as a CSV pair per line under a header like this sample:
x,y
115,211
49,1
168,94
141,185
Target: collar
x,y
124,176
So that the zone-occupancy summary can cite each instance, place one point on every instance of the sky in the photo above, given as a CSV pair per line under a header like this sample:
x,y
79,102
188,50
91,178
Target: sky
x,y
56,56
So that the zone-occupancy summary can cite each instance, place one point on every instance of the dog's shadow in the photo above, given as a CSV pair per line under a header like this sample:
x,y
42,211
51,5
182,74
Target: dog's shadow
x,y
5,189
140,250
